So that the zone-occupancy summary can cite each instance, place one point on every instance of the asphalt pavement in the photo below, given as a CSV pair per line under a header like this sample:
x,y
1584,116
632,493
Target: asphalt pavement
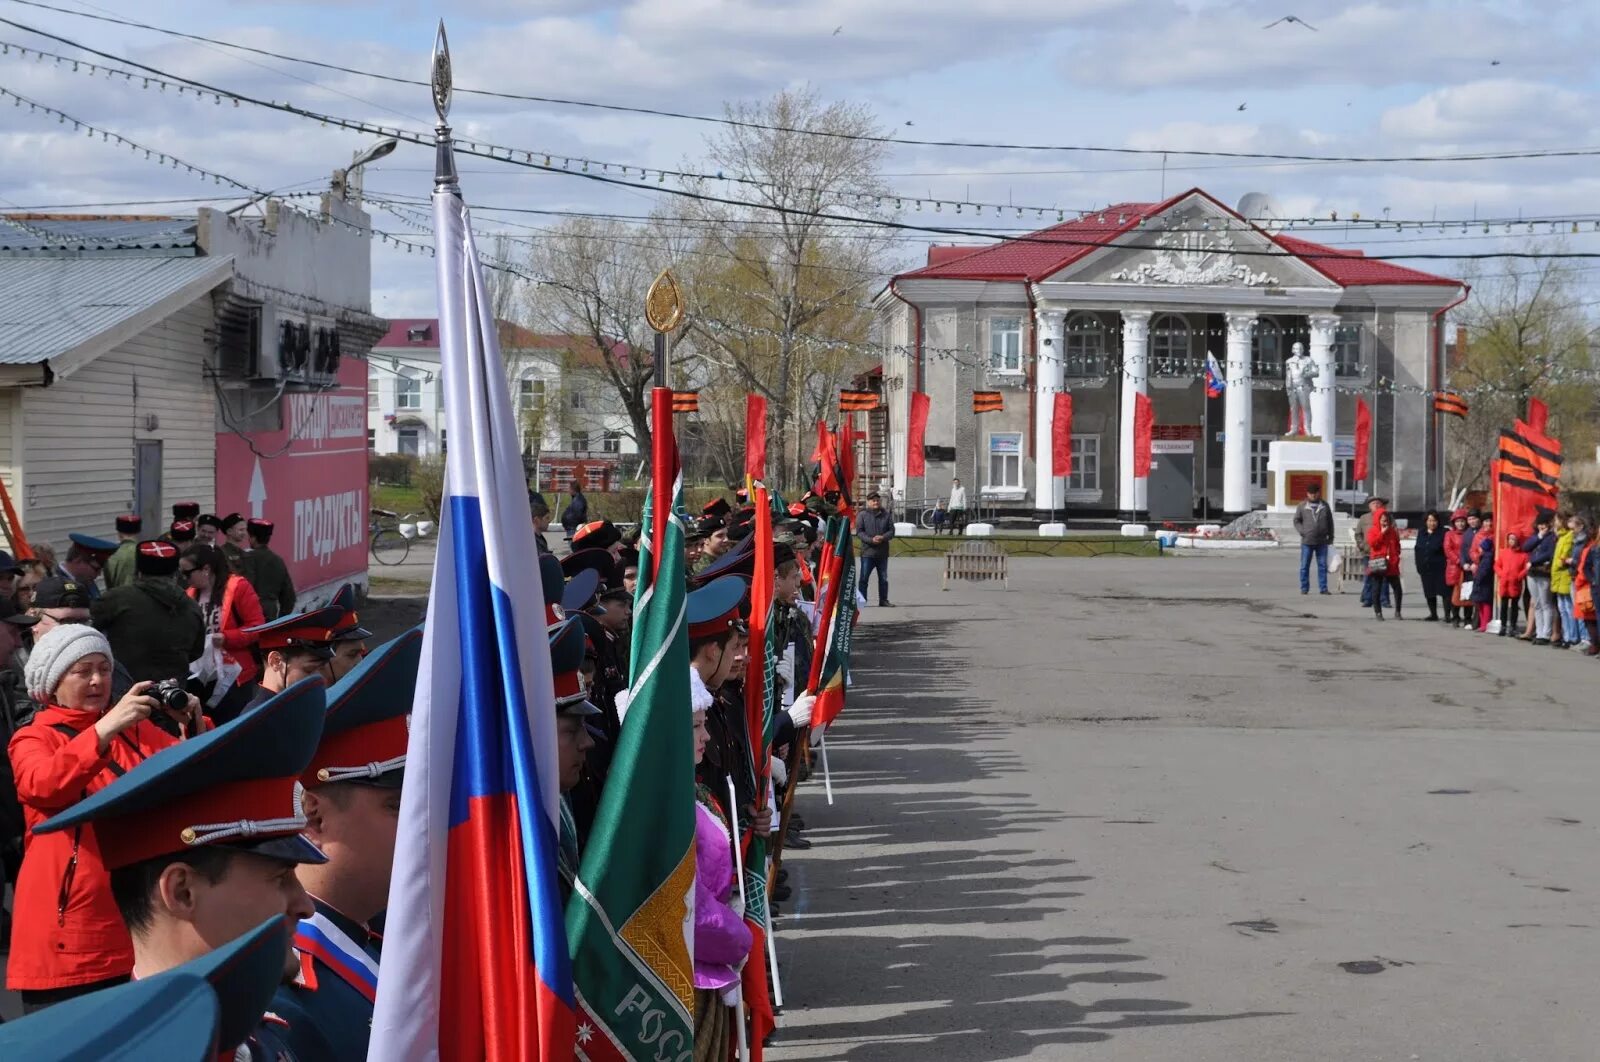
x,y
1170,809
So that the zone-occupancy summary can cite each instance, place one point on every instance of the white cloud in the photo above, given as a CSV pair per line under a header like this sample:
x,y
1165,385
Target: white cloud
x,y
1502,111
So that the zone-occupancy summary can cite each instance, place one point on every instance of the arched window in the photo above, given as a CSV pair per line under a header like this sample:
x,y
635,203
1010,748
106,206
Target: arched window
x,y
1085,345
1169,345
1266,348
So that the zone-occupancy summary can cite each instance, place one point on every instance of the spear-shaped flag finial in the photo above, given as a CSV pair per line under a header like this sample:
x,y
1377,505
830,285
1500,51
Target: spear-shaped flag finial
x,y
442,84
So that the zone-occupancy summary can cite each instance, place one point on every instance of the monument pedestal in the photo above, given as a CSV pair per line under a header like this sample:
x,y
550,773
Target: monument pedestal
x,y
1293,464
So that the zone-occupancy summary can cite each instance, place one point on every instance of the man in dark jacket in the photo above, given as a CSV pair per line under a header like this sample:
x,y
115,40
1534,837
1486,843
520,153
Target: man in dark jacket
x,y
267,572
875,530
154,629
1314,520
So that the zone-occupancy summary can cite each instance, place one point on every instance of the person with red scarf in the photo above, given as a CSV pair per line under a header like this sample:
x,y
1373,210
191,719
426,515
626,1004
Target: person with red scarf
x,y
67,938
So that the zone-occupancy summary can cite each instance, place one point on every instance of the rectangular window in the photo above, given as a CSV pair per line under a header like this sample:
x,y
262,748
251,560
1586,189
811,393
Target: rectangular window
x,y
1344,464
611,443
578,400
580,441
372,438
407,393
1005,344
1085,463
1260,446
1005,459
531,395
406,438
444,443
1347,350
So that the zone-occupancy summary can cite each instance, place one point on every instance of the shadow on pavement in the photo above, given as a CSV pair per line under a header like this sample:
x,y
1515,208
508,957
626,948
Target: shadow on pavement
x,y
933,924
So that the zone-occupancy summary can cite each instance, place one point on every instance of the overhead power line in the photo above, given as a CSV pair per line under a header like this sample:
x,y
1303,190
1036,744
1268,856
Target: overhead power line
x,y
654,112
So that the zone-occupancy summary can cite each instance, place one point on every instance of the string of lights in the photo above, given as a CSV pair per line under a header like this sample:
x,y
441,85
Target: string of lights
x,y
821,133
901,202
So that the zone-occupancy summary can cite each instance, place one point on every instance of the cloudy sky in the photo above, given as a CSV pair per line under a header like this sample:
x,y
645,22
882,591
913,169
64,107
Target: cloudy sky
x,y
1401,77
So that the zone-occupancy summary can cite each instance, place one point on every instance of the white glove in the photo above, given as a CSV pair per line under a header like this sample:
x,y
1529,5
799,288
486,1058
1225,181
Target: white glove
x,y
800,710
780,772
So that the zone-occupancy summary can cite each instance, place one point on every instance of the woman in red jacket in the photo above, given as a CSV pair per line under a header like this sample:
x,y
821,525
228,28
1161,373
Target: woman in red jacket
x,y
67,937
1454,612
230,606
1383,561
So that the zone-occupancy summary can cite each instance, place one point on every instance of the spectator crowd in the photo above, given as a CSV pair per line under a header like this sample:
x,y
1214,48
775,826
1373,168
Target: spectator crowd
x,y
1535,584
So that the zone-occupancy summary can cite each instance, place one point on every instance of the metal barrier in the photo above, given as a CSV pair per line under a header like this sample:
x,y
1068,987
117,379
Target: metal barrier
x,y
980,561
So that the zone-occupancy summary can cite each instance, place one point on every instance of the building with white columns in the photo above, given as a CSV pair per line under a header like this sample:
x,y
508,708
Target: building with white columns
x,y
1131,300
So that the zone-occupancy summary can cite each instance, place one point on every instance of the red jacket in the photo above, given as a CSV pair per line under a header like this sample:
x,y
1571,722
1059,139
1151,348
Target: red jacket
x,y
241,608
87,942
1452,557
1510,568
1382,543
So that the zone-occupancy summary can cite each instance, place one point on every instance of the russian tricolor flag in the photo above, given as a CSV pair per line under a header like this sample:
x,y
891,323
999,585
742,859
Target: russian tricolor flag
x,y
1215,383
475,964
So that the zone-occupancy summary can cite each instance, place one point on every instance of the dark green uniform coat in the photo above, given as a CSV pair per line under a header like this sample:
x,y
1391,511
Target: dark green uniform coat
x,y
119,570
154,629
270,577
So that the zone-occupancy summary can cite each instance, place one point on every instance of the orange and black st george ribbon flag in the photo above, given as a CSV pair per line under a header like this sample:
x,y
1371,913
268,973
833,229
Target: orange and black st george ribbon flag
x,y
1451,403
987,402
857,401
1530,460
686,401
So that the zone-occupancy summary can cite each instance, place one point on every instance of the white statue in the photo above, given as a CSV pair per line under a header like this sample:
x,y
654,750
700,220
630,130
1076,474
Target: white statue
x,y
1299,372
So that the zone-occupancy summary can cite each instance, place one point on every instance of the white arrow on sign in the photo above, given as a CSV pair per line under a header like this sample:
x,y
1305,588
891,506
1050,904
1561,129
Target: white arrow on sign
x,y
258,492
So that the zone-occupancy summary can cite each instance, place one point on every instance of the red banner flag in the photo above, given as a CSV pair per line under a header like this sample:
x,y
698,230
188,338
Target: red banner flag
x,y
1363,440
847,457
755,437
916,429
1538,415
1144,424
1061,435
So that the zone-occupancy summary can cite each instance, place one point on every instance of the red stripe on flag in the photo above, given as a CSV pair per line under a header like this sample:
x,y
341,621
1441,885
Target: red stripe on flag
x,y
916,431
492,1005
753,986
755,437
663,471
1061,434
1144,422
1363,440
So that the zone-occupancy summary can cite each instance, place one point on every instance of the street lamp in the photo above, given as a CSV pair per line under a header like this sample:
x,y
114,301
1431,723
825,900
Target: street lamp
x,y
342,178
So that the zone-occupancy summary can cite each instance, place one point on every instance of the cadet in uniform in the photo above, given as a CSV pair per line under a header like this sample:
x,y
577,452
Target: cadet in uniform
x,y
234,541
119,568
573,738
293,648
202,840
207,529
267,572
349,640
352,807
191,1013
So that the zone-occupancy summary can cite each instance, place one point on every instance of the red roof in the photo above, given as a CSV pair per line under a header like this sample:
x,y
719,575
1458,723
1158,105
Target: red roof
x,y
512,336
1351,268
1035,259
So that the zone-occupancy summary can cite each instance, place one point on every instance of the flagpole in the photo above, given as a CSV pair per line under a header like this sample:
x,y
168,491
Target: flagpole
x,y
738,875
827,776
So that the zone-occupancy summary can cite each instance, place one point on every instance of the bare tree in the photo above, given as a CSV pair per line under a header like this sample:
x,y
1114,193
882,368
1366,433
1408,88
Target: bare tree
x,y
781,293
1528,334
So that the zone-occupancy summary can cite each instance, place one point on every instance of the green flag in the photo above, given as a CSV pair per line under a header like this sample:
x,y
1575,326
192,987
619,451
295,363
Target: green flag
x,y
630,922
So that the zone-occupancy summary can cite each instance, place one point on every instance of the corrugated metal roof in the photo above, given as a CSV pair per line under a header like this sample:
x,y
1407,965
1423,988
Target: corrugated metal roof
x,y
65,234
49,305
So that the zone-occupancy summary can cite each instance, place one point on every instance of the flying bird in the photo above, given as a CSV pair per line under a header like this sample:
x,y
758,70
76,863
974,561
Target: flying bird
x,y
1494,62
1242,106
1296,19
838,30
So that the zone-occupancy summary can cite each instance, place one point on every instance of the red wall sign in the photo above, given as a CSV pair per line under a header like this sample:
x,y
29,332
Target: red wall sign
x,y
309,478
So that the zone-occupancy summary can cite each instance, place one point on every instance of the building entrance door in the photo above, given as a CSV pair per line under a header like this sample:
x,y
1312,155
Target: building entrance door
x,y
1171,479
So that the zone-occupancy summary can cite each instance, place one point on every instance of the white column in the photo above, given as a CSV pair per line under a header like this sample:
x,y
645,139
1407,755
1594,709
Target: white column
x,y
1323,405
1131,493
1048,378
1237,425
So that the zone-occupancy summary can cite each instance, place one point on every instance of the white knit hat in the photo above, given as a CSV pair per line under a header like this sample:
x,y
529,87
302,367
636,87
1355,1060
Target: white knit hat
x,y
54,654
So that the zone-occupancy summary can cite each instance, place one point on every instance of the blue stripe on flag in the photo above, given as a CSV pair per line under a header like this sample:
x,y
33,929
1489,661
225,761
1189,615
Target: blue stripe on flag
x,y
494,749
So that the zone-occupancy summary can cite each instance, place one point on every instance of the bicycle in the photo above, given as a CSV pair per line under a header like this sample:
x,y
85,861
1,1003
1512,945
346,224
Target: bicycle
x,y
384,539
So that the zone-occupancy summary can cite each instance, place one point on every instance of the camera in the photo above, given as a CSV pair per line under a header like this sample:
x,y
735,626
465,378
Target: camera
x,y
171,695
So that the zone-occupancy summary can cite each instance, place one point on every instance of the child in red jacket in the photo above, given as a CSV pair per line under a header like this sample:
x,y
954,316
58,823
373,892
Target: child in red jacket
x,y
1510,570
